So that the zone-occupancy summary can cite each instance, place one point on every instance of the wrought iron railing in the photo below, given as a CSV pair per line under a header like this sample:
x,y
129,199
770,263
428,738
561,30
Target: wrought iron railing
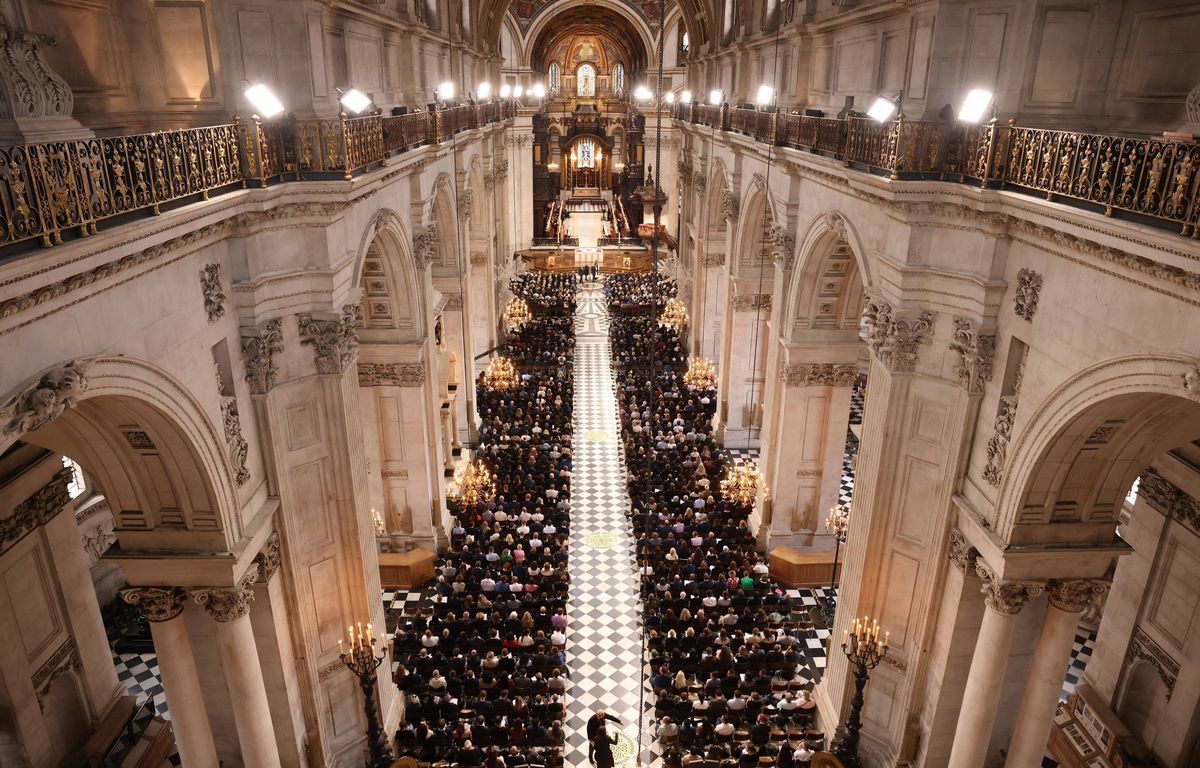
x,y
1151,177
56,187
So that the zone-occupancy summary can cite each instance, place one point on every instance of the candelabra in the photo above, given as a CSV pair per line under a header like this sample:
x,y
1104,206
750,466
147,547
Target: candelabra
x,y
674,314
517,313
700,374
380,525
837,523
743,483
865,650
360,659
500,374
473,483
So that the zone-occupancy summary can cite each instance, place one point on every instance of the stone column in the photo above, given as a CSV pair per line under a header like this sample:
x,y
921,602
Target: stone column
x,y
243,670
163,608
1050,659
985,681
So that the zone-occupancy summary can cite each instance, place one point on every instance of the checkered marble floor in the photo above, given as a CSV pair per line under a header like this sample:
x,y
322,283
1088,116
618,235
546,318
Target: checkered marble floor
x,y
604,643
139,673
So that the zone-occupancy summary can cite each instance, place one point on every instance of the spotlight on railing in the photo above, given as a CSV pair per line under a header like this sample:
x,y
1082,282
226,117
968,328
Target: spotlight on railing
x,y
484,91
354,100
445,91
670,97
715,97
505,91
975,105
765,95
883,109
538,91
685,97
642,93
266,104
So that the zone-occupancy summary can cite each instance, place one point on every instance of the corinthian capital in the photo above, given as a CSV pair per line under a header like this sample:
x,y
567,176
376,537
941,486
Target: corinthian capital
x,y
157,603
228,604
1073,595
1007,597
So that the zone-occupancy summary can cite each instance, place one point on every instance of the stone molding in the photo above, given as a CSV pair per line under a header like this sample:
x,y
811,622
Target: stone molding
x,y
43,399
259,347
65,659
239,449
35,511
894,340
1142,647
1191,381
1172,501
1006,597
1074,595
334,340
225,604
214,296
454,302
158,604
269,559
391,374
961,553
975,355
1029,290
819,375
713,260
748,302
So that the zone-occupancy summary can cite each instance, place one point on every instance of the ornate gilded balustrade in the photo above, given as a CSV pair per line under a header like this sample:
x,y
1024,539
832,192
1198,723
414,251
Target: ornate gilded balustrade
x,y
1149,177
63,186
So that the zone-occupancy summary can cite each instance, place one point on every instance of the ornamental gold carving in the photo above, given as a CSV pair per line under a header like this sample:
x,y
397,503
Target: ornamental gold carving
x,y
45,398
748,302
1029,290
391,374
1073,595
157,603
36,510
1007,597
975,354
238,448
214,296
334,340
1142,647
894,340
259,347
268,559
820,375
228,604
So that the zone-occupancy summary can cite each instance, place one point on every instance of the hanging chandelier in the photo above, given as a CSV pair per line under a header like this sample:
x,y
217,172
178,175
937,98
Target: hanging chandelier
x,y
517,313
500,374
743,483
674,314
473,483
700,374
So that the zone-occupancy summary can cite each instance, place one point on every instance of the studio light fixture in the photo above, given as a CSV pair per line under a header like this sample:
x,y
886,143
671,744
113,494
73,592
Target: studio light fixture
x,y
266,104
538,91
484,90
505,91
883,109
766,95
354,100
715,97
445,91
670,97
686,97
642,93
518,91
975,105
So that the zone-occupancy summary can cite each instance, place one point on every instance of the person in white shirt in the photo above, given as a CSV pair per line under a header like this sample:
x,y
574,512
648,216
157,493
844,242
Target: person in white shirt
x,y
803,755
535,543
487,584
724,728
557,637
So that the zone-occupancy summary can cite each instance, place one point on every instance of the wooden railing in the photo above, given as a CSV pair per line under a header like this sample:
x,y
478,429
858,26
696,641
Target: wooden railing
x,y
56,187
1150,177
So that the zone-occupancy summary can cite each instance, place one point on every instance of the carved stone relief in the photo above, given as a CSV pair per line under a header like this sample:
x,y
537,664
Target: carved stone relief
x,y
259,347
1191,381
748,302
820,375
1029,290
1167,498
157,603
975,354
214,296
30,88
961,553
1142,647
45,399
425,246
730,205
391,374
893,340
466,202
268,560
238,448
64,660
36,510
785,246
334,341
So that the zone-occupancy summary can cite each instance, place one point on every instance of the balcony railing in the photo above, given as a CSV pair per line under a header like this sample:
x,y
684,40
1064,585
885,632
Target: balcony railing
x,y
1148,177
47,189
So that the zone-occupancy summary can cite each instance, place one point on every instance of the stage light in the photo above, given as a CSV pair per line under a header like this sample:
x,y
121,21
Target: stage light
x,y
670,97
882,110
505,91
266,104
518,91
642,93
484,90
355,100
766,94
445,91
686,97
975,106
538,91
715,97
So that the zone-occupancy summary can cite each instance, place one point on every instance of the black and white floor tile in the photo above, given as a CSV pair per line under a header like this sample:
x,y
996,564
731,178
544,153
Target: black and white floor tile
x,y
139,673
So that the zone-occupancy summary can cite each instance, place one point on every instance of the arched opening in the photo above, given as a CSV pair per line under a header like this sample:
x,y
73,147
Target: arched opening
x,y
585,81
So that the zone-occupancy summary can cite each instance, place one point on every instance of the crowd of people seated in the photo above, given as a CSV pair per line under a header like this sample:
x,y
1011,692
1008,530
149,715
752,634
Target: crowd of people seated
x,y
723,639
483,672
553,294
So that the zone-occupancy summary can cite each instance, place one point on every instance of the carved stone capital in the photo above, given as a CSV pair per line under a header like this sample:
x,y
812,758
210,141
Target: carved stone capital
x,y
1029,290
961,553
1007,597
334,340
894,340
157,603
391,374
819,375
975,355
44,399
224,604
1074,595
268,559
214,296
259,347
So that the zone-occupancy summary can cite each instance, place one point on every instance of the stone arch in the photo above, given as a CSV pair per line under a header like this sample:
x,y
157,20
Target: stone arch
x,y
752,242
646,38
1144,699
440,210
830,278
147,443
1068,471
719,180
475,204
391,285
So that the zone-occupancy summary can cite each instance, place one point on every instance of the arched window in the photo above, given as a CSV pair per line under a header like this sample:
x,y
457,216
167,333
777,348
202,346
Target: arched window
x,y
619,78
555,77
585,81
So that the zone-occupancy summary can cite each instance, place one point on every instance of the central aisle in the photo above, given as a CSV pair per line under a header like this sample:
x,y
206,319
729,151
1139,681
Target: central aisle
x,y
604,646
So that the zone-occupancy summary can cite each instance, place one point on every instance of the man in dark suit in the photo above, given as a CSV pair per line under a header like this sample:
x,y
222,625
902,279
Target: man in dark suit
x,y
594,724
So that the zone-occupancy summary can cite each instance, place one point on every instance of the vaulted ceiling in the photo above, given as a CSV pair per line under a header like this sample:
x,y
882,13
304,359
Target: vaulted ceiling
x,y
614,33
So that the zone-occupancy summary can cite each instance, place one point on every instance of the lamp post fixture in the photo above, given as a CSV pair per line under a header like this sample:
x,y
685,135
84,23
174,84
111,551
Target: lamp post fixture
x,y
865,650
360,659
837,523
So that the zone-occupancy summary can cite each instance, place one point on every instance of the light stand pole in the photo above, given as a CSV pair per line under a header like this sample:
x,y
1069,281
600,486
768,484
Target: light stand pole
x,y
837,523
360,659
865,650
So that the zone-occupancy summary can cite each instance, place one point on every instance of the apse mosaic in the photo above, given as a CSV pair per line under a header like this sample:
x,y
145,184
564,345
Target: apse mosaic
x,y
525,11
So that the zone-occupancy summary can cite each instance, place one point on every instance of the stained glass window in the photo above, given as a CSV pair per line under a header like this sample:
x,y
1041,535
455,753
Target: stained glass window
x,y
619,78
585,80
585,152
555,74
